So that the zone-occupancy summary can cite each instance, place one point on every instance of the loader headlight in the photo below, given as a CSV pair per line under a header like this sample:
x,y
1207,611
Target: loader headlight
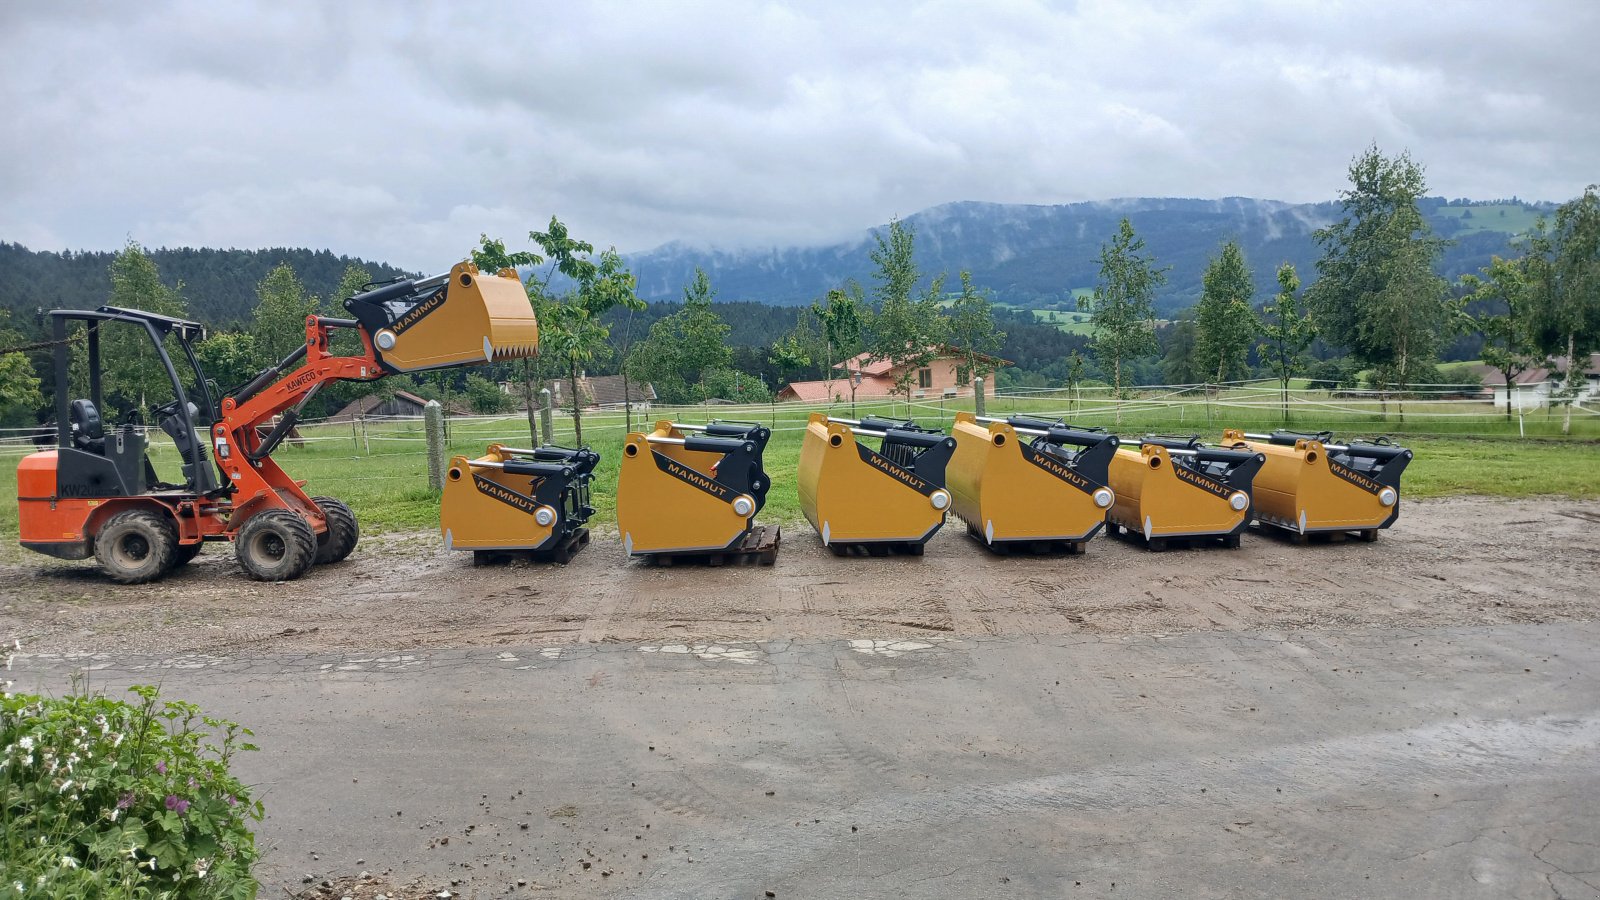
x,y
1387,496
544,515
939,499
1103,497
1238,501
384,339
743,506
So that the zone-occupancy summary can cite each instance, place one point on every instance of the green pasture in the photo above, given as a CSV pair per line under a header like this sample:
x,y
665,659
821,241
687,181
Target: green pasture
x,y
1512,218
380,468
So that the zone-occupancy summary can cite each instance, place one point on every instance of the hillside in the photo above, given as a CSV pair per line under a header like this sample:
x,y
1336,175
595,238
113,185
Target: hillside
x,y
1030,257
219,285
1036,256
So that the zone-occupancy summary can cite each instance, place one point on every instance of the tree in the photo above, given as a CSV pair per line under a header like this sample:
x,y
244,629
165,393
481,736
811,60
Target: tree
x,y
840,319
972,330
571,331
230,358
1377,295
1122,308
491,255
1565,258
129,360
484,395
1224,321
1180,364
789,354
906,331
684,347
1287,330
280,318
1508,325
1075,376
20,397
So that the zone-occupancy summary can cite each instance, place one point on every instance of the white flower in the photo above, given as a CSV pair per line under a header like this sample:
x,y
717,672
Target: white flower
x,y
26,743
132,852
64,785
116,739
149,864
115,813
201,867
68,862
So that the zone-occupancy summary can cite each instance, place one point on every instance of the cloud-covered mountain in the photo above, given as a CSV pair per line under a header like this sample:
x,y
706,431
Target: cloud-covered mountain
x,y
1036,255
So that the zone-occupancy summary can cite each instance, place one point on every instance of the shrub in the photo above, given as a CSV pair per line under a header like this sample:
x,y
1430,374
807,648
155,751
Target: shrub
x,y
105,799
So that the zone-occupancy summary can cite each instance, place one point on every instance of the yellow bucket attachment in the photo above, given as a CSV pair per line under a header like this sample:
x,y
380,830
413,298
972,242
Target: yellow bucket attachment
x,y
1310,484
460,319
1180,488
534,501
892,497
690,488
1028,480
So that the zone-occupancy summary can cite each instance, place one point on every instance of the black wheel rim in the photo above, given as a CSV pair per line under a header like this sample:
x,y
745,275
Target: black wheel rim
x,y
269,547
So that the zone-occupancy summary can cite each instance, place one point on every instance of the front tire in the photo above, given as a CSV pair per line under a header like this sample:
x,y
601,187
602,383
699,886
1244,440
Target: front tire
x,y
135,547
343,532
276,545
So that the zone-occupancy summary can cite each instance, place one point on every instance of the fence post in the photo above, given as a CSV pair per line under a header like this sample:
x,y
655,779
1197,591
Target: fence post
x,y
366,442
355,440
433,426
546,415
977,396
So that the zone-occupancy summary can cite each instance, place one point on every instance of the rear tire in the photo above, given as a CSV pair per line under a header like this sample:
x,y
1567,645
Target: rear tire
x,y
343,532
135,547
276,545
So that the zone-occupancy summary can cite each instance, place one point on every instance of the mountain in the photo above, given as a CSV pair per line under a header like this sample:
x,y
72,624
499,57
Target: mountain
x,y
219,285
1038,256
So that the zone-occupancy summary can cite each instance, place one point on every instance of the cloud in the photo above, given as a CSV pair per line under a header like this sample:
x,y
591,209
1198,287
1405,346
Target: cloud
x,y
400,131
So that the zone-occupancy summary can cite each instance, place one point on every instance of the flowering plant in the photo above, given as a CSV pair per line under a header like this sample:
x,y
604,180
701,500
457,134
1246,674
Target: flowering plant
x,y
103,798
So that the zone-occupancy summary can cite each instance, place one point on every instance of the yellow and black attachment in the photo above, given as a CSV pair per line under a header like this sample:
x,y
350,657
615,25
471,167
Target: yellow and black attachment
x,y
892,498
1180,489
513,501
459,318
1312,485
1030,483
694,490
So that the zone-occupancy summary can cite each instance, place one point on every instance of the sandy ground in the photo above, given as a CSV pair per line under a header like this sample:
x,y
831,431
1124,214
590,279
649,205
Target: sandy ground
x,y
1446,563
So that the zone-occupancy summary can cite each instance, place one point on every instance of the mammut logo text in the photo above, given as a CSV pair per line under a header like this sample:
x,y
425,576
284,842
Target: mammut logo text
x,y
690,476
877,461
419,312
1355,478
1202,482
1058,469
505,495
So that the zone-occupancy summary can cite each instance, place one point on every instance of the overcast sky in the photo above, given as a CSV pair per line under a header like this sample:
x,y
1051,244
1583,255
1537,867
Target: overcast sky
x,y
399,131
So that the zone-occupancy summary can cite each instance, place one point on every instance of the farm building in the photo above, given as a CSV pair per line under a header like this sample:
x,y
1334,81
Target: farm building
x,y
945,375
402,404
1533,388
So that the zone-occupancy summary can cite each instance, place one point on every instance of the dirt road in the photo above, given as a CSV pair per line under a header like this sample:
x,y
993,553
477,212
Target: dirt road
x,y
1447,563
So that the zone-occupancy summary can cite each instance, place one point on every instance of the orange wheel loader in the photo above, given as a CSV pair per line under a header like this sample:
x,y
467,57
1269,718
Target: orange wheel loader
x,y
96,494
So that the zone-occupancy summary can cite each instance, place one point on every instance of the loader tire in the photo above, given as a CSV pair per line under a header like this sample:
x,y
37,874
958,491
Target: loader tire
x,y
183,554
276,545
343,532
135,547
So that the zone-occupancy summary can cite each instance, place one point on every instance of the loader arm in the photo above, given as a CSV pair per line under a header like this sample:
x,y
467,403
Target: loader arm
x,y
462,318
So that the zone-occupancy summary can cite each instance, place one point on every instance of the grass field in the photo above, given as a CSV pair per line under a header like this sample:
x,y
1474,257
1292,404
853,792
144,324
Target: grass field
x,y
1511,218
1461,448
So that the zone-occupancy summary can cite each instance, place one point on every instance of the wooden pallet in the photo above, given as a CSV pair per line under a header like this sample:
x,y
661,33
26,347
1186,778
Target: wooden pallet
x,y
1158,544
1293,535
759,547
878,548
1029,548
562,553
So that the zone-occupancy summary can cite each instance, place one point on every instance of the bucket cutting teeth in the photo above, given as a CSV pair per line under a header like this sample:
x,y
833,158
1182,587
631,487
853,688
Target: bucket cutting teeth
x,y
464,317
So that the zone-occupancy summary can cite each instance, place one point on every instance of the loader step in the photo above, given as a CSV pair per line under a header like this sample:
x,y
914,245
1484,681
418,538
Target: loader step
x,y
759,547
562,553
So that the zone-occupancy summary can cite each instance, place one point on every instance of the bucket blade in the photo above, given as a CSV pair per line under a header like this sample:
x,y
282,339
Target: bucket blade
x,y
477,319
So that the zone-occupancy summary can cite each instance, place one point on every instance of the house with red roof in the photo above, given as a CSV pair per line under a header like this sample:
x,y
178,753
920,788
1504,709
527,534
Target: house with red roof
x,y
946,376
